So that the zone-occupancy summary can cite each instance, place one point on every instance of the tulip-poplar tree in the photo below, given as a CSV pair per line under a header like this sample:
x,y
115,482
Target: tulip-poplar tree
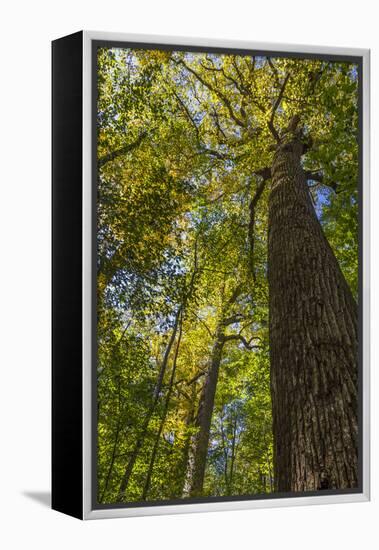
x,y
227,274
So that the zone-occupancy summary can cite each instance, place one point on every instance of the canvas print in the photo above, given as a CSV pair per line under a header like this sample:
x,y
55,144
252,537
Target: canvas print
x,y
227,286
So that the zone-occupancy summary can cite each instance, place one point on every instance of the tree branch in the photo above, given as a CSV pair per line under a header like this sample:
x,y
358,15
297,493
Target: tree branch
x,y
196,377
274,70
204,324
233,319
246,343
275,108
319,177
121,151
239,87
187,112
222,97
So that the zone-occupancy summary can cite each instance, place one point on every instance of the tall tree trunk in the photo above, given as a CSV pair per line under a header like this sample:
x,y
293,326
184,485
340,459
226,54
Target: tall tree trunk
x,y
313,341
197,455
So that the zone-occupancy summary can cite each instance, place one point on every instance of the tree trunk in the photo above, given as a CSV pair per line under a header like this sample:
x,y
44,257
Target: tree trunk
x,y
111,464
153,457
190,419
233,457
313,341
197,455
156,395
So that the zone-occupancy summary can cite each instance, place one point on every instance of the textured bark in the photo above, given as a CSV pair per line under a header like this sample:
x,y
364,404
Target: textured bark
x,y
251,228
313,341
198,448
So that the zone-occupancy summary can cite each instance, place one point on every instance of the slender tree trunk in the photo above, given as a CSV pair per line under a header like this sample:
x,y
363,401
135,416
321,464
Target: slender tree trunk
x,y
112,461
225,453
117,433
233,457
313,341
269,465
158,387
190,418
153,457
157,390
193,485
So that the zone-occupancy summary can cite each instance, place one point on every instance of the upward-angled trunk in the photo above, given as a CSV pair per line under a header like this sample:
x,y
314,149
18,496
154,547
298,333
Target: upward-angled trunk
x,y
159,384
153,457
143,433
198,447
189,422
313,341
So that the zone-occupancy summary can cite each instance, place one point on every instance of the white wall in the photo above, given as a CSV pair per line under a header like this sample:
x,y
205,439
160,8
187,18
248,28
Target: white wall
x,y
26,30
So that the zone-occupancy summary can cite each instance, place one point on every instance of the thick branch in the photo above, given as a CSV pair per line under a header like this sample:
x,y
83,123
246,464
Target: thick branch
x,y
319,177
246,343
275,108
238,317
216,120
240,88
235,65
121,151
188,114
221,156
236,292
195,378
274,70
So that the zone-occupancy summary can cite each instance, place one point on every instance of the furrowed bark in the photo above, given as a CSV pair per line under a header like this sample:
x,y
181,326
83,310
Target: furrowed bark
x,y
251,228
313,341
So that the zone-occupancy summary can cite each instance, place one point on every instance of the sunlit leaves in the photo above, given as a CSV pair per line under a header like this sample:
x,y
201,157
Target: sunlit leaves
x,y
182,137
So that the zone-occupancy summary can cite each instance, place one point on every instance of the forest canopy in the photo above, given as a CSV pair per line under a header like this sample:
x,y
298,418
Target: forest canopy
x,y
227,274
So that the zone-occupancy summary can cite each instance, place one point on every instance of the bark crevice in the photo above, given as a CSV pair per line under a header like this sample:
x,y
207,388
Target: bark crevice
x,y
313,341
